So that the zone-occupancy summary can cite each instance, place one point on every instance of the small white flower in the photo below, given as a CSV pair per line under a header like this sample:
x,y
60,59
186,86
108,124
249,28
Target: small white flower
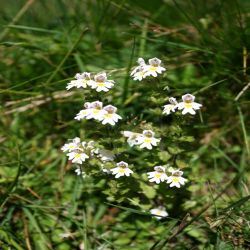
x,y
122,169
139,75
158,175
101,83
69,147
110,117
170,107
159,212
78,171
176,179
84,112
188,105
154,67
147,140
132,137
138,72
82,81
77,157
105,155
95,111
71,84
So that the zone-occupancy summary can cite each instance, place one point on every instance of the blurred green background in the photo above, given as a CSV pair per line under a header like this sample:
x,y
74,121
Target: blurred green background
x,y
203,44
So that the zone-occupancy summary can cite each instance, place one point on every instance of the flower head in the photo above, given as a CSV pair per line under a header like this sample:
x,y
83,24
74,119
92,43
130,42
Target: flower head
x,y
154,67
170,107
176,179
68,147
84,112
82,81
101,83
122,169
159,212
79,151
188,105
143,70
138,72
132,137
158,175
110,117
95,111
147,140
77,156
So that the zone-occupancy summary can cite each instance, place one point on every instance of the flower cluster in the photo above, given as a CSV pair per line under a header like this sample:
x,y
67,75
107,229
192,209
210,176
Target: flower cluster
x,y
144,70
96,111
78,151
175,178
144,140
187,105
99,82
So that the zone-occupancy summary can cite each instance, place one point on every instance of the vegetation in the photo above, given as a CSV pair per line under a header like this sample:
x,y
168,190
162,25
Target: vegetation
x,y
44,204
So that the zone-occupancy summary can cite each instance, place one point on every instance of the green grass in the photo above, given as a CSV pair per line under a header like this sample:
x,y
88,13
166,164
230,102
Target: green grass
x,y
205,48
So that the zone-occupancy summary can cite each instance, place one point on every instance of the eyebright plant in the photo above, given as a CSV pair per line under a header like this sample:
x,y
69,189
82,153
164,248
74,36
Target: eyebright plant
x,y
129,159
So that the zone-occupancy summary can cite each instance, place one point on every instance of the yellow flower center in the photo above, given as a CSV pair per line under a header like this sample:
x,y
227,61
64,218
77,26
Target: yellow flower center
x,y
148,140
71,146
84,82
77,155
96,111
121,170
175,179
158,212
153,68
108,115
188,105
100,84
158,175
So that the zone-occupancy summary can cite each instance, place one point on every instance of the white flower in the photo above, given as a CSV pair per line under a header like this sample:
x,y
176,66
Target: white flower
x,y
188,105
176,179
105,155
147,140
71,84
159,212
110,117
95,111
101,83
84,112
170,107
122,169
139,75
158,175
72,145
138,72
154,67
82,81
132,137
78,171
77,157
